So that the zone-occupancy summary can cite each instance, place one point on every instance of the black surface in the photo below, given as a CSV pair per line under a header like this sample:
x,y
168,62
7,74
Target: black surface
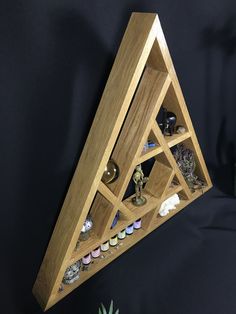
x,y
55,57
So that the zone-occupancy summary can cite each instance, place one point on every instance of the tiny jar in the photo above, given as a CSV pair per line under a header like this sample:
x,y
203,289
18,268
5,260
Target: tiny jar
x,y
137,224
105,246
121,235
114,240
86,259
96,252
130,229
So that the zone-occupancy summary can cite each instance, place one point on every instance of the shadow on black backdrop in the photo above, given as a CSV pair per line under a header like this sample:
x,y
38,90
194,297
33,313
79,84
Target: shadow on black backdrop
x,y
61,100
219,115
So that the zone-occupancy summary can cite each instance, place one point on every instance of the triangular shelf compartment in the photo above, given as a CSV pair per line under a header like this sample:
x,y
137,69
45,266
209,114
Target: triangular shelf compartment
x,y
141,80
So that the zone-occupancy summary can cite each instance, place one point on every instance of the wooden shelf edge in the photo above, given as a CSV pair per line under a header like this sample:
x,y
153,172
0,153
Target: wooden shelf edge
x,y
132,240
176,139
91,243
151,152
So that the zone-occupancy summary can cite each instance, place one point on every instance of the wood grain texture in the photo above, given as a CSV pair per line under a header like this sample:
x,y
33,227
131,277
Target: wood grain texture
x,y
104,190
176,139
159,179
150,153
137,126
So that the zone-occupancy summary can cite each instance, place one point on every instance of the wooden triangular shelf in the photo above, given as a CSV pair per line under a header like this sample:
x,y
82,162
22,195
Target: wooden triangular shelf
x,y
141,80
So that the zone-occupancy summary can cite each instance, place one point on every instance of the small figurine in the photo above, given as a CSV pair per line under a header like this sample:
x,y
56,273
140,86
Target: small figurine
x,y
168,122
72,273
139,180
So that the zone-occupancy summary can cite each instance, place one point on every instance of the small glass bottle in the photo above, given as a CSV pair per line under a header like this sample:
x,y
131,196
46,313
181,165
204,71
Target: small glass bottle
x,y
130,229
137,224
114,240
86,260
105,246
121,235
96,252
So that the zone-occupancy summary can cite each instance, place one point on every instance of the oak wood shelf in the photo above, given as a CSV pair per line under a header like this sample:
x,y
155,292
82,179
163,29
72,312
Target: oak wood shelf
x,y
141,80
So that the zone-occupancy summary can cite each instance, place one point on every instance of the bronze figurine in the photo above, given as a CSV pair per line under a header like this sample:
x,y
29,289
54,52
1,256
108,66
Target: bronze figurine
x,y
139,180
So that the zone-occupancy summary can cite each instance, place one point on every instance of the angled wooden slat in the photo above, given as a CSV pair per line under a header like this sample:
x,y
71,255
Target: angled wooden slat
x,y
152,152
104,190
128,214
106,224
176,139
166,189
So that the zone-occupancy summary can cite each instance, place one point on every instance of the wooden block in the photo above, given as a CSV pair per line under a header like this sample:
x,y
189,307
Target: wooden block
x,y
159,179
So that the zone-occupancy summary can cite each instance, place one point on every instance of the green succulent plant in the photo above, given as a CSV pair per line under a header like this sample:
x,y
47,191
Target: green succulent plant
x,y
102,309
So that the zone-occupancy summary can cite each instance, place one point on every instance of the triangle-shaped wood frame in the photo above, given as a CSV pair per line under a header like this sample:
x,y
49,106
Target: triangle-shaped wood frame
x,y
141,80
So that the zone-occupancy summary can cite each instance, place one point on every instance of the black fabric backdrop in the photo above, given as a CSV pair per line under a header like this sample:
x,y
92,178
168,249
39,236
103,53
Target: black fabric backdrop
x,y
55,59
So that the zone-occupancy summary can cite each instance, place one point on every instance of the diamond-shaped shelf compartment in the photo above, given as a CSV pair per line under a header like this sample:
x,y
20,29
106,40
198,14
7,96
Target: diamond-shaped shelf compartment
x,y
125,129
